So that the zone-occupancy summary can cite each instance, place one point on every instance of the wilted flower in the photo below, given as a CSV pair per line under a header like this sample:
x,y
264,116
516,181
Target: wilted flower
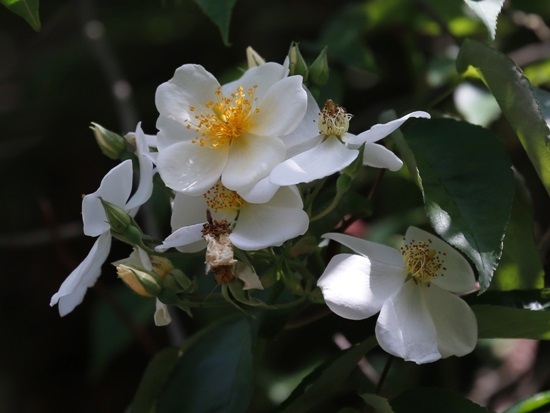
x,y
209,132
421,318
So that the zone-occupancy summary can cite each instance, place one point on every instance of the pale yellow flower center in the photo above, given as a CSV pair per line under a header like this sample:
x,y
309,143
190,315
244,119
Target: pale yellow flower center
x,y
422,262
333,120
220,199
229,119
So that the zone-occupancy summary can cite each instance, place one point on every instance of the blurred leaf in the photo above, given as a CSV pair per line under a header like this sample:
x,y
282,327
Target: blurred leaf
x,y
539,403
319,385
520,265
506,322
515,96
523,299
220,13
109,333
487,11
28,9
214,374
475,104
467,185
434,400
153,380
378,403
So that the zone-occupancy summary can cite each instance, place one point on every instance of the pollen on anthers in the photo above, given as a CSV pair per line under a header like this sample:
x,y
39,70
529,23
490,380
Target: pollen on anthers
x,y
220,199
333,119
229,118
423,263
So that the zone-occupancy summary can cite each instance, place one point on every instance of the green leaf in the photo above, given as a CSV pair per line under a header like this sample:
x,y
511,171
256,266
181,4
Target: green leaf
x,y
525,299
487,11
434,400
220,13
214,374
515,96
468,187
378,403
318,385
153,380
506,322
539,403
28,9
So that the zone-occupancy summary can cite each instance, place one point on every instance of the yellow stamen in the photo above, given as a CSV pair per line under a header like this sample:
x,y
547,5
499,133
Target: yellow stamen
x,y
333,120
422,262
229,119
219,199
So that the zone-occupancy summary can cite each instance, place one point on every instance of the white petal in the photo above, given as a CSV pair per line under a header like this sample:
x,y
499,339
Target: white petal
x,y
381,130
306,135
355,287
378,252
458,277
251,158
115,188
455,322
405,327
72,291
287,197
172,132
263,77
377,156
191,85
281,110
323,160
162,315
185,239
259,193
248,276
189,167
262,225
145,186
187,210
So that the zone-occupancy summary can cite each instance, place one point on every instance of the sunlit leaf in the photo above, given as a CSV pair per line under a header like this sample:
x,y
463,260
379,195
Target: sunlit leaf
x,y
539,403
318,385
434,400
487,11
214,374
468,187
28,9
515,96
220,13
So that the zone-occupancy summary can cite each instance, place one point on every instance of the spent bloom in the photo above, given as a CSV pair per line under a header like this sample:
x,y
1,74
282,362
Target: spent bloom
x,y
253,225
415,290
233,132
115,188
322,145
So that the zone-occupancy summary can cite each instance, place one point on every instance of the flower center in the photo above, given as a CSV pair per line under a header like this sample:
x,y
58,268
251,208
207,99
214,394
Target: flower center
x,y
423,263
230,117
220,199
333,120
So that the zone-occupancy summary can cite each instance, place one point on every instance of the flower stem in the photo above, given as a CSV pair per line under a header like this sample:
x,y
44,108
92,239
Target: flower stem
x,y
383,375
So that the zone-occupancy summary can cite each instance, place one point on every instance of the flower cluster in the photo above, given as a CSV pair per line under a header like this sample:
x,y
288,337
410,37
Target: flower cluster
x,y
233,157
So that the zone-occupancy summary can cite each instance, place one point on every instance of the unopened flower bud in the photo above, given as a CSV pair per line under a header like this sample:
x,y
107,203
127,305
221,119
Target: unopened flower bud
x,y
298,65
122,224
319,71
253,58
145,283
111,144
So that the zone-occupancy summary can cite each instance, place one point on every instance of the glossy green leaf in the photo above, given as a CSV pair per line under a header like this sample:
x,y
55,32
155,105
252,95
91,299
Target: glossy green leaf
x,y
28,9
539,403
319,385
487,11
468,187
506,322
153,380
214,374
434,400
220,13
516,98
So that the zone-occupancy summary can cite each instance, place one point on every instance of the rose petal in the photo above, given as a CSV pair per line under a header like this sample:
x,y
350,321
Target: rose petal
x,y
355,287
306,135
189,167
323,160
259,193
405,327
145,186
185,239
162,315
378,156
172,132
261,77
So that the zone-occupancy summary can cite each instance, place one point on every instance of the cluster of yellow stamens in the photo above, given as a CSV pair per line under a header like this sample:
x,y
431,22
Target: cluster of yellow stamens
x,y
219,199
422,262
333,119
230,117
